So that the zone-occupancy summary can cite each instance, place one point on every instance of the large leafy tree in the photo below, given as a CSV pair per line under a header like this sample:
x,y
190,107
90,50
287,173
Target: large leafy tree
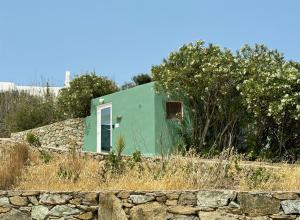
x,y
75,101
205,79
270,91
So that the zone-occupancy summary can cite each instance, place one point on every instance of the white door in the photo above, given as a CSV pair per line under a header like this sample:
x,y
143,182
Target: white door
x,y
104,128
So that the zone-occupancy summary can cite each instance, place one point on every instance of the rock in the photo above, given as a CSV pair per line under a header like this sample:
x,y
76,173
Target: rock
x,y
187,198
54,199
33,200
182,210
215,198
90,199
216,216
19,201
14,214
139,199
30,193
149,211
171,202
4,201
185,217
173,195
63,210
110,207
161,198
291,206
258,204
87,208
39,212
123,194
127,205
285,195
86,216
76,201
283,217
4,209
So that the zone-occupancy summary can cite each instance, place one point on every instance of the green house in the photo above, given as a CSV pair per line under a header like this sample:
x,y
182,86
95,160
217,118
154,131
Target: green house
x,y
148,122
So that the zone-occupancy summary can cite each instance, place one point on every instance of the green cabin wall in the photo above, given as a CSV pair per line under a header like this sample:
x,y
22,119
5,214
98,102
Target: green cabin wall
x,y
143,125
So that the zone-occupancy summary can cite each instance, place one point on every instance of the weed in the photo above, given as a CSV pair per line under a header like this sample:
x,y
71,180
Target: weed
x,y
45,156
33,140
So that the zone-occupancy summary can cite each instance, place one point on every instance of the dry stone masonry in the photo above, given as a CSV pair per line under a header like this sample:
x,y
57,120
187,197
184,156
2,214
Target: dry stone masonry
x,y
157,205
61,135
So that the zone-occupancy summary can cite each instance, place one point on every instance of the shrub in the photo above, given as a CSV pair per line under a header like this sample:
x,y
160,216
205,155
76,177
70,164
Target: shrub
x,y
205,79
141,79
33,140
71,168
114,160
45,156
27,111
75,101
12,161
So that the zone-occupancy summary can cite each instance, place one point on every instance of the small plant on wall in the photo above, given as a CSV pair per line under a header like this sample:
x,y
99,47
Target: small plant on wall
x,y
114,160
33,139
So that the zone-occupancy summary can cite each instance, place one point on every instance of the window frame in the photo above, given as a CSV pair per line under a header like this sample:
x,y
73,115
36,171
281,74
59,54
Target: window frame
x,y
174,118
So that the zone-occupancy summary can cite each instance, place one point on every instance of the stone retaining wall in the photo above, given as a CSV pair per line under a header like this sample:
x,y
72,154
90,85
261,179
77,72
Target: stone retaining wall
x,y
57,135
158,205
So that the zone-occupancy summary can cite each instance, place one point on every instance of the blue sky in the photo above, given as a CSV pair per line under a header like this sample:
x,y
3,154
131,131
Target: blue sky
x,y
39,40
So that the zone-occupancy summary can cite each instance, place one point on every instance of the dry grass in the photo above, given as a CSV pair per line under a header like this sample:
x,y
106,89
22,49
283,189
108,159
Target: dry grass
x,y
12,157
69,173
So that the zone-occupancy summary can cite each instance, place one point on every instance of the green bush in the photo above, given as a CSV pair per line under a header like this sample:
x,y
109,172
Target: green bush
x,y
114,160
27,111
33,140
75,101
45,156
249,100
141,79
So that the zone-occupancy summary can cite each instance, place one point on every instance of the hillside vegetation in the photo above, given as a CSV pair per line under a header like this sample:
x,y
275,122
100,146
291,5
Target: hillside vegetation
x,y
44,171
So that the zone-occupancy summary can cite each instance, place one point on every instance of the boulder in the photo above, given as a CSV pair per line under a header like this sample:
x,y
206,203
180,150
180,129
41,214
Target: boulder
x,y
4,201
215,198
110,207
187,198
86,216
183,210
19,201
149,211
54,199
291,206
14,214
258,204
39,212
140,199
63,210
185,217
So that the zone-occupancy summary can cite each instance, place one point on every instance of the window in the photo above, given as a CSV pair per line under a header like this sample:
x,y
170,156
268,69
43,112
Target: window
x,y
174,110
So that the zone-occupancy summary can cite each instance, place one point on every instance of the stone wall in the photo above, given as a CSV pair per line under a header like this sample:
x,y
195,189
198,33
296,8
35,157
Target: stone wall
x,y
158,205
57,135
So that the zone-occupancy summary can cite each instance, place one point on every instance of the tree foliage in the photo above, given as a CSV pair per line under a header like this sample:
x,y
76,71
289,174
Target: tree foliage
x,y
270,91
141,79
75,101
249,100
24,111
205,78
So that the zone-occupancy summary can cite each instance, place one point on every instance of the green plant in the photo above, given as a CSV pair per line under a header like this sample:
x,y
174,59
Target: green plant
x,y
204,78
33,139
137,156
22,111
45,156
141,79
75,101
71,168
114,160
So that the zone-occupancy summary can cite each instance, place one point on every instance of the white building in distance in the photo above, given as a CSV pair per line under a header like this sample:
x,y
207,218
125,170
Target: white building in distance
x,y
34,90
